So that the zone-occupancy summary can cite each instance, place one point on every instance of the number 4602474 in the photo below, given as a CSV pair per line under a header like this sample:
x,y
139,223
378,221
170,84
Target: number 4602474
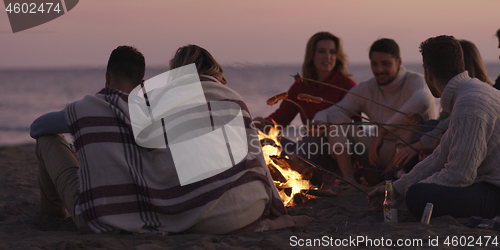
x,y
32,8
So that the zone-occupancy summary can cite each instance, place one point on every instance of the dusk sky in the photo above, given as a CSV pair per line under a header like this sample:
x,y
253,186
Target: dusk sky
x,y
243,31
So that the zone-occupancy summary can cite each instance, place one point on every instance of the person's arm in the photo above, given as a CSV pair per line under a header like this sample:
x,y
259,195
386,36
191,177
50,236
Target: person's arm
x,y
469,135
439,130
50,123
350,102
426,143
419,101
422,170
454,162
285,114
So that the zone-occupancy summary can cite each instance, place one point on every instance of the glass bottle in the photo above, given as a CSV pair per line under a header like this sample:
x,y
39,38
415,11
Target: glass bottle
x,y
390,211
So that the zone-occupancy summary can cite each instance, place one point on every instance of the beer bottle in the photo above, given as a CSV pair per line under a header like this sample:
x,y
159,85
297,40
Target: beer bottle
x,y
390,211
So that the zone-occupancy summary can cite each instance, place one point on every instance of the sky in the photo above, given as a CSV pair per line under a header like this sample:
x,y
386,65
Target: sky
x,y
244,31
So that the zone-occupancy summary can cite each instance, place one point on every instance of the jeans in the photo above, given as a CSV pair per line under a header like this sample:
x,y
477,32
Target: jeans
x,y
479,199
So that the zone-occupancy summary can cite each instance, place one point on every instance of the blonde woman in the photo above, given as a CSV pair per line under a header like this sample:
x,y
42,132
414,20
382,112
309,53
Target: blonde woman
x,y
243,197
205,63
324,61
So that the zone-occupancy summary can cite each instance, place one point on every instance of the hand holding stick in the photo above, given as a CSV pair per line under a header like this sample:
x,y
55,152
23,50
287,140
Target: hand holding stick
x,y
298,77
315,99
284,96
273,100
330,172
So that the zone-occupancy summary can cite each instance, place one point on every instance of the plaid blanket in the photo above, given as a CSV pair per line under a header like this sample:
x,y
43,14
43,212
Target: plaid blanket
x,y
127,187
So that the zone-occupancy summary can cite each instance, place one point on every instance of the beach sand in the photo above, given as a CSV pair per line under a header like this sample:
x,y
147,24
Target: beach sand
x,y
346,217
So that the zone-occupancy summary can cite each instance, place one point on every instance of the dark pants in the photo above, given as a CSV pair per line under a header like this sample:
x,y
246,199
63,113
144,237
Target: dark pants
x,y
481,199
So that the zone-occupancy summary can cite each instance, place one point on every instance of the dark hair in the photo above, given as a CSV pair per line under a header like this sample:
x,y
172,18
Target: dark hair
x,y
308,69
127,63
204,61
498,33
443,56
473,62
385,45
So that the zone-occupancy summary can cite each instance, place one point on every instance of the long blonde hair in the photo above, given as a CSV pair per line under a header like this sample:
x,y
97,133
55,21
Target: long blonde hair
x,y
473,62
204,61
308,69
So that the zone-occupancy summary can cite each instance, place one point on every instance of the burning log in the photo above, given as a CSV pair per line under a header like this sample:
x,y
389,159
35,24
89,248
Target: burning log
x,y
276,174
299,198
290,178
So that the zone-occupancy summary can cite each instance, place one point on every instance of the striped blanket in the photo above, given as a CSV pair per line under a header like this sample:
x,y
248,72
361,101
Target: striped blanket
x,y
127,187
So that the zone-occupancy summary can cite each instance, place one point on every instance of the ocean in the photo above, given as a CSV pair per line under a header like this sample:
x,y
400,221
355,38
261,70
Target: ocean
x,y
28,93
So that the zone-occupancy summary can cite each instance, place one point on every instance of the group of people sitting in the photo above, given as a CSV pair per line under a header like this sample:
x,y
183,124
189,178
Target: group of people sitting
x,y
455,165
109,182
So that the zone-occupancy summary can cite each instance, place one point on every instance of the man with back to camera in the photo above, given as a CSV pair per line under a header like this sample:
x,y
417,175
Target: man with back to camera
x,y
391,85
462,176
117,185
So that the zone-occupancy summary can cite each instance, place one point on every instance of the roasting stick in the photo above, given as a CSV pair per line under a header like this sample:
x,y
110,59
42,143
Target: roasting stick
x,y
401,126
297,76
330,172
284,96
316,99
419,125
409,129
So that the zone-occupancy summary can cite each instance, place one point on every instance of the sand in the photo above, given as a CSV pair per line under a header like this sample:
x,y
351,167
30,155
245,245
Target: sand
x,y
346,218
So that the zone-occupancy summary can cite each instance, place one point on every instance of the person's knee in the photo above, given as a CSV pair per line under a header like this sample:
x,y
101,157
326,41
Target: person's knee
x,y
47,140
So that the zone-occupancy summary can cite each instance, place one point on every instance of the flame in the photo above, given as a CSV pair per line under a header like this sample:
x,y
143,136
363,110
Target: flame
x,y
269,150
293,178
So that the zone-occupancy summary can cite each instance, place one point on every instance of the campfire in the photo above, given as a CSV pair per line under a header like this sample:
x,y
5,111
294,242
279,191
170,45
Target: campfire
x,y
292,180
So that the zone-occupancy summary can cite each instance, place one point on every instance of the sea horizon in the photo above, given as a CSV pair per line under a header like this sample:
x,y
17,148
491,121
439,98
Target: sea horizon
x,y
29,93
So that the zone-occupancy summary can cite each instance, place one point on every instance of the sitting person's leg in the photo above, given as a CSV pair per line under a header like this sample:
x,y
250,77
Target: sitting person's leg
x,y
414,160
481,199
357,148
57,171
